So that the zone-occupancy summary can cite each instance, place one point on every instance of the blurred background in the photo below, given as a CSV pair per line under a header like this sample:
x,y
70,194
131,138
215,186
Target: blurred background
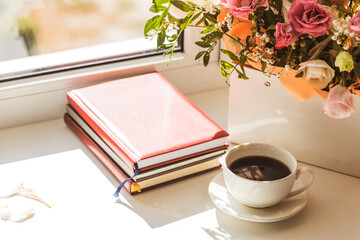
x,y
35,27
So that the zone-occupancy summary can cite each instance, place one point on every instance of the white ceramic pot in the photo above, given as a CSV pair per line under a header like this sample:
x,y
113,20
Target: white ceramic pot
x,y
271,115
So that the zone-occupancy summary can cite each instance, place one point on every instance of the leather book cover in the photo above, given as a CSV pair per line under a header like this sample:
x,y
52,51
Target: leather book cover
x,y
137,187
145,119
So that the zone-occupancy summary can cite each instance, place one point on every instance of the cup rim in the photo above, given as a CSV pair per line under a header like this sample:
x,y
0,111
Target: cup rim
x,y
257,181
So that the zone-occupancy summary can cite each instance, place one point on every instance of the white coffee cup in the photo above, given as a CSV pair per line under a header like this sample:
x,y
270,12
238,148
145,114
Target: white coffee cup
x,y
261,194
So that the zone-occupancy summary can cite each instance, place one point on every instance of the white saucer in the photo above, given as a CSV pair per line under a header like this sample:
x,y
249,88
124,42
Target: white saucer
x,y
228,204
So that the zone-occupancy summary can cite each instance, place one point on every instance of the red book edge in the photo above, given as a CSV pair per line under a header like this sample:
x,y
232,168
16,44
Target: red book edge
x,y
98,152
114,169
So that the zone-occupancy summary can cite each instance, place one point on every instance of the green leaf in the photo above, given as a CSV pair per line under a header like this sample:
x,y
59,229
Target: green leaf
x,y
243,60
212,37
186,21
151,24
356,53
203,44
208,29
161,39
206,58
172,38
206,22
247,40
224,73
234,41
167,47
195,17
171,18
192,4
160,2
163,16
243,76
263,66
183,6
271,27
210,18
357,69
199,55
157,8
200,21
230,54
226,65
242,68
170,58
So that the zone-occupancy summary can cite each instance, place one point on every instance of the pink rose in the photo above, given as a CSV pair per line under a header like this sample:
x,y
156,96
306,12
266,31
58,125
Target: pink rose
x,y
354,25
284,35
242,8
308,17
340,103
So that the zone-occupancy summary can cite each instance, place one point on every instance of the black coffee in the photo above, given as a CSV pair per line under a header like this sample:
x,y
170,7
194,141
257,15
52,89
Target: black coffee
x,y
259,168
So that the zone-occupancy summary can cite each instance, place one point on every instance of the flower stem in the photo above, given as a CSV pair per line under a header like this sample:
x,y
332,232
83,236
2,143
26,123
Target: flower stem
x,y
343,79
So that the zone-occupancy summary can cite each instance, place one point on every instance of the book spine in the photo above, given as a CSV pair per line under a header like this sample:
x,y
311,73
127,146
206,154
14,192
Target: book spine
x,y
96,150
73,101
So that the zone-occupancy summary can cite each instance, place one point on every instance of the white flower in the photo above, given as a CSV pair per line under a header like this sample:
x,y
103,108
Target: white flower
x,y
207,4
4,213
22,216
25,192
317,72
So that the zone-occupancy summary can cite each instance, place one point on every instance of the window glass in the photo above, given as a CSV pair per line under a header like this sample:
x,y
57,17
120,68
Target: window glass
x,y
52,35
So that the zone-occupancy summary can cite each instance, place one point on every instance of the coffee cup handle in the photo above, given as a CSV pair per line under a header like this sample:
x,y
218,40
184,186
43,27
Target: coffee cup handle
x,y
299,172
222,160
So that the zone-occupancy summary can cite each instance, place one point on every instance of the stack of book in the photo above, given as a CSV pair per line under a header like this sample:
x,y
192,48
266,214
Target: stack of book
x,y
145,131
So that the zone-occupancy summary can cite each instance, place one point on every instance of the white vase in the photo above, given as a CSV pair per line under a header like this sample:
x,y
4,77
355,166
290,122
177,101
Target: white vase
x,y
271,115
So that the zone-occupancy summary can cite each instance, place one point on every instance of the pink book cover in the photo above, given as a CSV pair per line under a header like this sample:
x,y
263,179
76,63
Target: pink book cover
x,y
143,117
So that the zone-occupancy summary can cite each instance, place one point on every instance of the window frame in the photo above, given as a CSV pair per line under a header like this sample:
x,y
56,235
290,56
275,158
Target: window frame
x,y
71,59
101,72
41,98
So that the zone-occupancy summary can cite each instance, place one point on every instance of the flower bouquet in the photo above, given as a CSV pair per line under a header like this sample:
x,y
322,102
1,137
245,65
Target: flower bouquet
x,y
311,46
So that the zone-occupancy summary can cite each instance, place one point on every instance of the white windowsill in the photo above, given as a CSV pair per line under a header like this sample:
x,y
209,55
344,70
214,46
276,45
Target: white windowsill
x,y
51,160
